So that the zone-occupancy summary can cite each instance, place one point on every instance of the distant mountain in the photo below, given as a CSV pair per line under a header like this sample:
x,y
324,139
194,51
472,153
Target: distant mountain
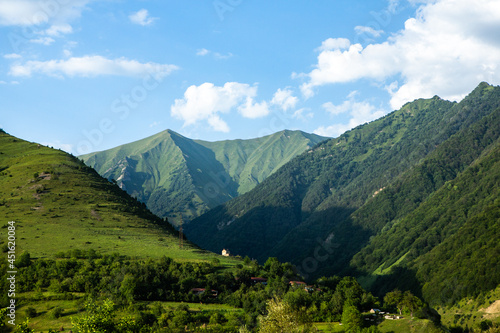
x,y
59,204
409,201
173,174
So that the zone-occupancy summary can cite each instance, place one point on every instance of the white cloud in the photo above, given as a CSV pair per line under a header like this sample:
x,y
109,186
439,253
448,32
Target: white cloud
x,y
206,102
447,49
218,124
35,12
21,12
142,17
393,6
336,109
216,55
334,44
11,82
302,115
368,31
67,48
360,113
202,52
91,66
347,105
12,56
57,30
221,56
284,99
43,40
252,110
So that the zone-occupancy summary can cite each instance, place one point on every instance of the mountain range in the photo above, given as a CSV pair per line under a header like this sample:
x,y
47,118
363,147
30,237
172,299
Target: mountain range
x,y
174,175
408,201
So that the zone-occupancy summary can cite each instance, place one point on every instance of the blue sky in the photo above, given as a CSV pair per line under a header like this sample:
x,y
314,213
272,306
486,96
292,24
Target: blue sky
x,y
88,75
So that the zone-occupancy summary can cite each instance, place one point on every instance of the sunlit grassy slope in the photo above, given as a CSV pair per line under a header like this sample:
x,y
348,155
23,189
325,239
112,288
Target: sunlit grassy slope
x,y
59,204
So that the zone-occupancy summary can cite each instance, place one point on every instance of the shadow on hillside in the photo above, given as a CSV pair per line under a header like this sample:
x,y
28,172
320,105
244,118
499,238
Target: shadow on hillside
x,y
401,278
321,245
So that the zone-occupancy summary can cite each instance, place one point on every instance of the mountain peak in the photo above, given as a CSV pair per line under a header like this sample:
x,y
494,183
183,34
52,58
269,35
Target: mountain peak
x,y
481,89
172,173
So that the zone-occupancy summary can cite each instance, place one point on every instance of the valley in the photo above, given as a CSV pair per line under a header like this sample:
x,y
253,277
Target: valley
x,y
400,214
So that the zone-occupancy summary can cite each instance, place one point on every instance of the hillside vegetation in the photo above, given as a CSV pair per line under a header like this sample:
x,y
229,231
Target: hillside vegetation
x,y
60,204
175,175
409,201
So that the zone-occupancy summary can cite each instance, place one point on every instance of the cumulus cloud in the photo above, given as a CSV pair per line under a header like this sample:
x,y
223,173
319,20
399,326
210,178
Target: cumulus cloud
x,y
360,113
91,66
206,102
34,12
284,99
252,110
142,17
334,44
446,49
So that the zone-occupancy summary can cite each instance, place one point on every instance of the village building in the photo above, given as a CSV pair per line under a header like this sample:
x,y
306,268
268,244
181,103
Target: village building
x,y
261,280
298,284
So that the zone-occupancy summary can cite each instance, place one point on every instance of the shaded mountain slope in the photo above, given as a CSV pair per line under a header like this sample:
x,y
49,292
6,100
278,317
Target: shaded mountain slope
x,y
352,191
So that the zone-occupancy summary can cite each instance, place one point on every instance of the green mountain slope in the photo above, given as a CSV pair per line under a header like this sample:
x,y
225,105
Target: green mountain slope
x,y
448,246
60,204
341,200
173,174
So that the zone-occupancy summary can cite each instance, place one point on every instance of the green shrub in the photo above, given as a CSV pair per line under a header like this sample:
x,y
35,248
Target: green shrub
x,y
30,312
56,312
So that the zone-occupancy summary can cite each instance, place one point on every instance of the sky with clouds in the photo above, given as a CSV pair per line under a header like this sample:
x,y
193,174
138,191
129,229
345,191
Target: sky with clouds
x,y
88,75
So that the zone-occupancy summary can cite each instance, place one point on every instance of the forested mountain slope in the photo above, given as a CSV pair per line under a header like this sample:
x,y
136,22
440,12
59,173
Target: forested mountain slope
x,y
175,175
371,196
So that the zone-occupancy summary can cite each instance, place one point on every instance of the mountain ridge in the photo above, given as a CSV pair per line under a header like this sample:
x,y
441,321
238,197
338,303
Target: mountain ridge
x,y
59,204
175,175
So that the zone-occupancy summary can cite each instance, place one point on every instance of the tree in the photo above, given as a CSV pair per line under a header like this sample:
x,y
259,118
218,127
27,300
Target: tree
x,y
24,260
411,302
281,318
395,298
351,317
98,318
128,287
